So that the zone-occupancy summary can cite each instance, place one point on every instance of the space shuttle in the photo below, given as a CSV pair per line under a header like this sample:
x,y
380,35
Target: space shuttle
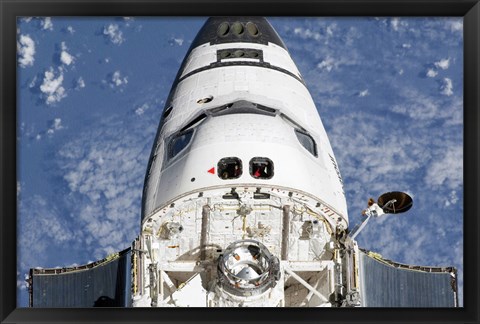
x,y
243,201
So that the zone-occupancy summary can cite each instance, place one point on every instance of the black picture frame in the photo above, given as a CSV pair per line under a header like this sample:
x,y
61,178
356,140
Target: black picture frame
x,y
10,10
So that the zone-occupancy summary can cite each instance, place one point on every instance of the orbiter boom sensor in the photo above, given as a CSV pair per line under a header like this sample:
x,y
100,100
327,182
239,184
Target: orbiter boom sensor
x,y
243,201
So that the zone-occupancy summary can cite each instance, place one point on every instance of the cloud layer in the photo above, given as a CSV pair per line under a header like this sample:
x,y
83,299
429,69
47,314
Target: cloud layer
x,y
392,106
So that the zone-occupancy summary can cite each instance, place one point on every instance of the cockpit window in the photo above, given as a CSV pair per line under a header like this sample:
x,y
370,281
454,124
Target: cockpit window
x,y
229,168
179,142
307,141
261,168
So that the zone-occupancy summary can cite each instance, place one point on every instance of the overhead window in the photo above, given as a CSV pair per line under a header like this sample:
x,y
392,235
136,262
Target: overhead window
x,y
307,141
261,168
291,122
242,107
229,168
194,122
179,142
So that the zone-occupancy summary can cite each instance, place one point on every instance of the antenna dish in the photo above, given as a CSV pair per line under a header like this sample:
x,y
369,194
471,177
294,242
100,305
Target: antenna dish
x,y
395,202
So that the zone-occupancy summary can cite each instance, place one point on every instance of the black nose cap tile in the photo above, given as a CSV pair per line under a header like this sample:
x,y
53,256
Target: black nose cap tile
x,y
221,30
224,30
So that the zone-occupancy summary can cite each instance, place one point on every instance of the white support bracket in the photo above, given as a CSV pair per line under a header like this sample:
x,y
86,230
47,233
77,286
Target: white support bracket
x,y
171,286
304,283
310,294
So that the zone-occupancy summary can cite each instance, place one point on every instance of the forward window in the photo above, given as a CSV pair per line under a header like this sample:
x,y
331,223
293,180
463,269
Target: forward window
x,y
261,168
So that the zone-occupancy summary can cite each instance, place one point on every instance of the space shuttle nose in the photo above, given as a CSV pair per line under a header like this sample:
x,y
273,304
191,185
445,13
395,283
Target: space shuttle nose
x,y
221,30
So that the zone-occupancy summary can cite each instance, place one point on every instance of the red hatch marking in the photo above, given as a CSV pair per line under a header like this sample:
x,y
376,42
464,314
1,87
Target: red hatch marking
x,y
212,170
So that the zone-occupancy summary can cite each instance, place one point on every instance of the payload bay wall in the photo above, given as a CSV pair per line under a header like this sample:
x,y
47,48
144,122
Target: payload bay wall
x,y
104,283
390,284
107,282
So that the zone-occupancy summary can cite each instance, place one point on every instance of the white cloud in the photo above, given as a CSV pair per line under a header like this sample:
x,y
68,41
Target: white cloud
x,y
453,199
331,29
363,93
422,110
333,62
65,57
426,108
447,169
178,41
396,23
21,284
443,64
371,158
327,64
41,223
456,26
128,20
306,33
26,51
447,87
454,115
113,32
70,30
33,82
352,35
106,174
47,23
52,87
80,84
431,73
406,45
55,126
141,110
117,80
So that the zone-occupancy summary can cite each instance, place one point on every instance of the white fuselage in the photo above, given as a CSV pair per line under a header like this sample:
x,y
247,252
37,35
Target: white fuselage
x,y
243,135
230,115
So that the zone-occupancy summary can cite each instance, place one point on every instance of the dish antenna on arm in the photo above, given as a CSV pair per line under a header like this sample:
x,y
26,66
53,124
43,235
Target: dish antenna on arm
x,y
394,202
